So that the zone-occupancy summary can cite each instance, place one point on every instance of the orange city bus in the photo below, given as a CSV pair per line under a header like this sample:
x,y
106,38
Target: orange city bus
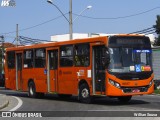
x,y
115,66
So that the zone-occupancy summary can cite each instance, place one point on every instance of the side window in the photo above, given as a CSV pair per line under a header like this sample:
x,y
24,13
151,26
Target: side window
x,y
81,55
66,56
40,58
11,59
28,59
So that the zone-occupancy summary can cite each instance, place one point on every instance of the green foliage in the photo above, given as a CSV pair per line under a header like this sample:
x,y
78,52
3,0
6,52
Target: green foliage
x,y
157,91
157,42
157,26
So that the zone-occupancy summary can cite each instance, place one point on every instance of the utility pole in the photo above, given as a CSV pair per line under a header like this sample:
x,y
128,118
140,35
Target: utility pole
x,y
70,17
70,21
17,41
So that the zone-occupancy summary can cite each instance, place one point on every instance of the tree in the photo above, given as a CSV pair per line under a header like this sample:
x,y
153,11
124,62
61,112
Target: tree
x,y
157,27
157,41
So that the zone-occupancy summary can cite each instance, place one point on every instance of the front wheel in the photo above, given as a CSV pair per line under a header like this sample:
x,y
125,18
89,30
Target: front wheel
x,y
64,96
124,99
84,94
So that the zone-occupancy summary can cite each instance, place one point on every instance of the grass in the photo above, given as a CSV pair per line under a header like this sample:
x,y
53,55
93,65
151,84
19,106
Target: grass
x,y
157,91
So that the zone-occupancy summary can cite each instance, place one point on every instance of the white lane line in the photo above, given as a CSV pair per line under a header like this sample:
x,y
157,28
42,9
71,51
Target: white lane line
x,y
20,102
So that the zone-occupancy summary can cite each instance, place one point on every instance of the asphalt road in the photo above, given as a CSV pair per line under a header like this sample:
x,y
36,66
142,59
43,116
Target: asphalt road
x,y
54,103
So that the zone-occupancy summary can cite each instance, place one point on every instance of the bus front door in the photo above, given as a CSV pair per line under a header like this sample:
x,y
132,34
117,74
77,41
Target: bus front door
x,y
19,71
52,66
98,69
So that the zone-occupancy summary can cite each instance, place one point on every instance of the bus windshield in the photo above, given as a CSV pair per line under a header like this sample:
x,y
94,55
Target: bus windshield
x,y
124,60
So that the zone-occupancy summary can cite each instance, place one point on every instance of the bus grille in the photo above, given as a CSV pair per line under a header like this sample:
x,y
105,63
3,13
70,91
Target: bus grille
x,y
135,90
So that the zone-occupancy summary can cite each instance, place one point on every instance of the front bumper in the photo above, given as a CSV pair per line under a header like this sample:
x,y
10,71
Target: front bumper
x,y
129,87
127,91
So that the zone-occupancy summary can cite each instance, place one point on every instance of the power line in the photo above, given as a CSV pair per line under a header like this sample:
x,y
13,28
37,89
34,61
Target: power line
x,y
150,29
150,33
9,36
35,25
127,16
143,30
13,41
26,40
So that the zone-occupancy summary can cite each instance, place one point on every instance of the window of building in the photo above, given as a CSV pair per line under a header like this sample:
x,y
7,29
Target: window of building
x,y
66,56
28,59
40,58
81,55
11,59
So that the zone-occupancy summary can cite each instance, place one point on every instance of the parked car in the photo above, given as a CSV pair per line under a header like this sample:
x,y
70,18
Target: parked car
x,y
2,80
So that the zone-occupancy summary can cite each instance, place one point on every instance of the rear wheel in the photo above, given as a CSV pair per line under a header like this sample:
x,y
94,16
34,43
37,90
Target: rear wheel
x,y
84,94
40,95
124,99
31,90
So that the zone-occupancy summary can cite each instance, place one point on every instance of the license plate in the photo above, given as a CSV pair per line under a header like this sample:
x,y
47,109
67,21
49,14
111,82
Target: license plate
x,y
135,90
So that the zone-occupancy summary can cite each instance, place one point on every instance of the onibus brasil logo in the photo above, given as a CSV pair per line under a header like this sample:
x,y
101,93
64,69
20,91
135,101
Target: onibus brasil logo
x,y
8,3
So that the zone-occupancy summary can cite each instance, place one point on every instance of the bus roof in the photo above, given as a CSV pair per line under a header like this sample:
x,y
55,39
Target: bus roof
x,y
74,41
56,44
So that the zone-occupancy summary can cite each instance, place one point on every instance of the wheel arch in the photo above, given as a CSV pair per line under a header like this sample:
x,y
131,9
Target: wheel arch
x,y
31,80
83,81
83,86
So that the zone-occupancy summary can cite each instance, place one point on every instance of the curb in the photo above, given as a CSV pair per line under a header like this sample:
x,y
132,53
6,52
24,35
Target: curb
x,y
3,101
155,94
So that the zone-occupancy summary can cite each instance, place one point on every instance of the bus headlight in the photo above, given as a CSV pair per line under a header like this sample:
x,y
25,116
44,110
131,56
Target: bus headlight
x,y
114,83
151,82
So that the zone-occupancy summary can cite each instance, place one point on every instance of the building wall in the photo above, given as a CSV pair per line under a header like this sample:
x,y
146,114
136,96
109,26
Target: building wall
x,y
156,63
65,37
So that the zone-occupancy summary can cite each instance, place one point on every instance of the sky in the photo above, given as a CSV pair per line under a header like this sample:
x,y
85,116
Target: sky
x,y
30,14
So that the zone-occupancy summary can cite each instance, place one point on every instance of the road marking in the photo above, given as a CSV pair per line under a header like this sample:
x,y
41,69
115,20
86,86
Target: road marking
x,y
155,95
20,102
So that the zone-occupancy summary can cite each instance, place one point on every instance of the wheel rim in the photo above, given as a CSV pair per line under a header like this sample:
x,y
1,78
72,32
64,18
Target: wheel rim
x,y
85,93
31,90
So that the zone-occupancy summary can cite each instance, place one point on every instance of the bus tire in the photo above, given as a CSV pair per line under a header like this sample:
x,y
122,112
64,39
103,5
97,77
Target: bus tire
x,y
40,95
124,99
64,96
84,93
32,90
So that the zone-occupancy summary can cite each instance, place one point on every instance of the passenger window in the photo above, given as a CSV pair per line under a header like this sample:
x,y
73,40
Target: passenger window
x,y
11,59
81,55
40,58
66,57
28,59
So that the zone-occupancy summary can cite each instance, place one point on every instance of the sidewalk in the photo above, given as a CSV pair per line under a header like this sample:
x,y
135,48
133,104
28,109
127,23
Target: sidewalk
x,y
3,101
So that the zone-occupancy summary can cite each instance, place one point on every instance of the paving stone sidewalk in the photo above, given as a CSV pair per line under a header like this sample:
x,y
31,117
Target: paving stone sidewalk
x,y
3,101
